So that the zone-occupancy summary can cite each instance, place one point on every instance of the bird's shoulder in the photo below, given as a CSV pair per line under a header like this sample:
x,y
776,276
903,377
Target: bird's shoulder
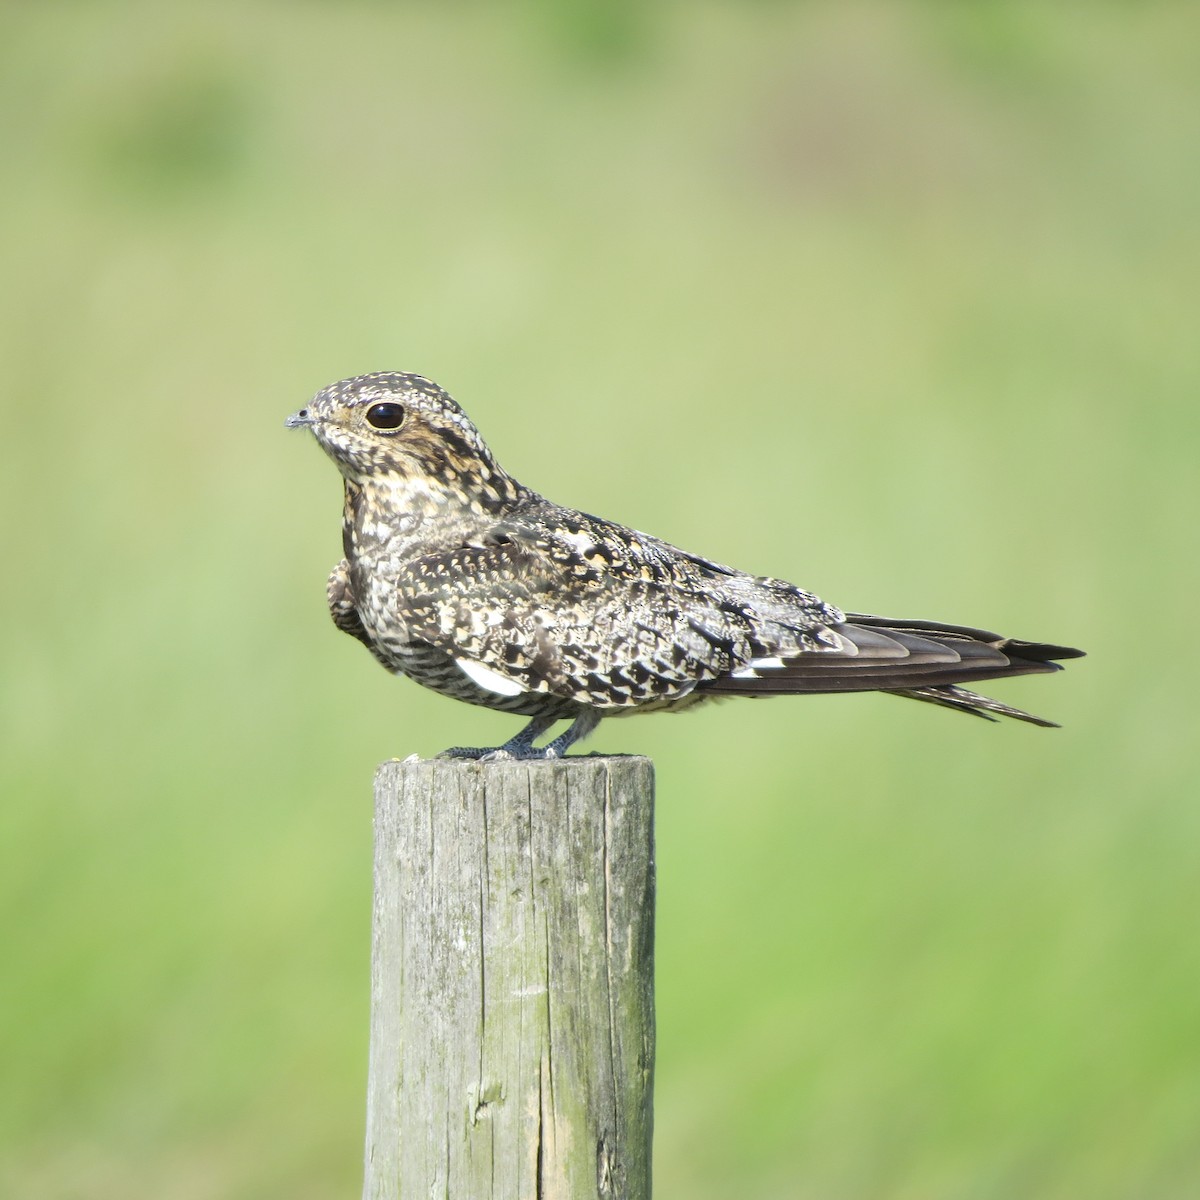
x,y
540,544
601,552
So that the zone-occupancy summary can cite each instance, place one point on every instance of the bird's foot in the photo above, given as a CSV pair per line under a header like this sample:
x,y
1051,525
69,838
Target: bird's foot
x,y
505,753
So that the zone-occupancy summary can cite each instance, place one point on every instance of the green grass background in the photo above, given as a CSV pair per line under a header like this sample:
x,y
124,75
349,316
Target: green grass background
x,y
895,300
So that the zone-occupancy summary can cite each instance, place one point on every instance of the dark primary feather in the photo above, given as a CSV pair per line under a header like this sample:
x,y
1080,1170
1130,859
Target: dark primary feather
x,y
923,660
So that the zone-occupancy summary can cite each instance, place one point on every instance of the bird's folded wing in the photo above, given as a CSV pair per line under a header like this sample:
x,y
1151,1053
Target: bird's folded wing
x,y
593,612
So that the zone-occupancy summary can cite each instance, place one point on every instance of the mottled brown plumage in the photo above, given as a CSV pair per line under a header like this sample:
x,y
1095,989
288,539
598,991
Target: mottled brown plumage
x,y
475,586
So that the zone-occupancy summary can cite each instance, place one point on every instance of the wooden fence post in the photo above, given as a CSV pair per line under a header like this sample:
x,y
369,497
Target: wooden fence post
x,y
512,981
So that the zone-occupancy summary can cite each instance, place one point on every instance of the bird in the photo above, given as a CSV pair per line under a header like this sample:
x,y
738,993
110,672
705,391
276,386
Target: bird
x,y
468,582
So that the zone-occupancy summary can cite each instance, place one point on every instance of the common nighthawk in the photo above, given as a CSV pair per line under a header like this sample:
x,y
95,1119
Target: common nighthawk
x,y
472,584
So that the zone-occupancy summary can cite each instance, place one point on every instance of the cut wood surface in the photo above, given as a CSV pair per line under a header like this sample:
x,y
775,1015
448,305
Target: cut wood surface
x,y
512,981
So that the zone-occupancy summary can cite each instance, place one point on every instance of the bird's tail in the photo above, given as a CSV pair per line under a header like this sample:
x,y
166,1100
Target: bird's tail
x,y
923,660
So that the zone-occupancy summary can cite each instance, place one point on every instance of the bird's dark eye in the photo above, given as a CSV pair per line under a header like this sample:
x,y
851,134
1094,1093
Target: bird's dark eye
x,y
385,415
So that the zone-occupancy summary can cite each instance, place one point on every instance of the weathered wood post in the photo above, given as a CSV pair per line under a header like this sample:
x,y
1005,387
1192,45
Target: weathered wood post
x,y
512,981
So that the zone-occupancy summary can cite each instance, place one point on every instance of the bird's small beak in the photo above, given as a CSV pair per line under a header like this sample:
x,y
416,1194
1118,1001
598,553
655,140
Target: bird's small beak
x,y
298,419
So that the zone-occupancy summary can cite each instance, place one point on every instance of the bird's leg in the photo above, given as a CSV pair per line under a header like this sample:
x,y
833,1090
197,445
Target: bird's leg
x,y
520,746
579,728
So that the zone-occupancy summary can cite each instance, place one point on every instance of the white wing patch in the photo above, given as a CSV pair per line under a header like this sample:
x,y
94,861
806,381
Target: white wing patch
x,y
752,668
489,680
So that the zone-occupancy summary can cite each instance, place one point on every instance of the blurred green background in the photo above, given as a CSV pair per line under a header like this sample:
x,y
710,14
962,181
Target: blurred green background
x,y
897,301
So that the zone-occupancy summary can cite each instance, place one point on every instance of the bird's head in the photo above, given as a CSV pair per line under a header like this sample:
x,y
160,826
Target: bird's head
x,y
390,427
